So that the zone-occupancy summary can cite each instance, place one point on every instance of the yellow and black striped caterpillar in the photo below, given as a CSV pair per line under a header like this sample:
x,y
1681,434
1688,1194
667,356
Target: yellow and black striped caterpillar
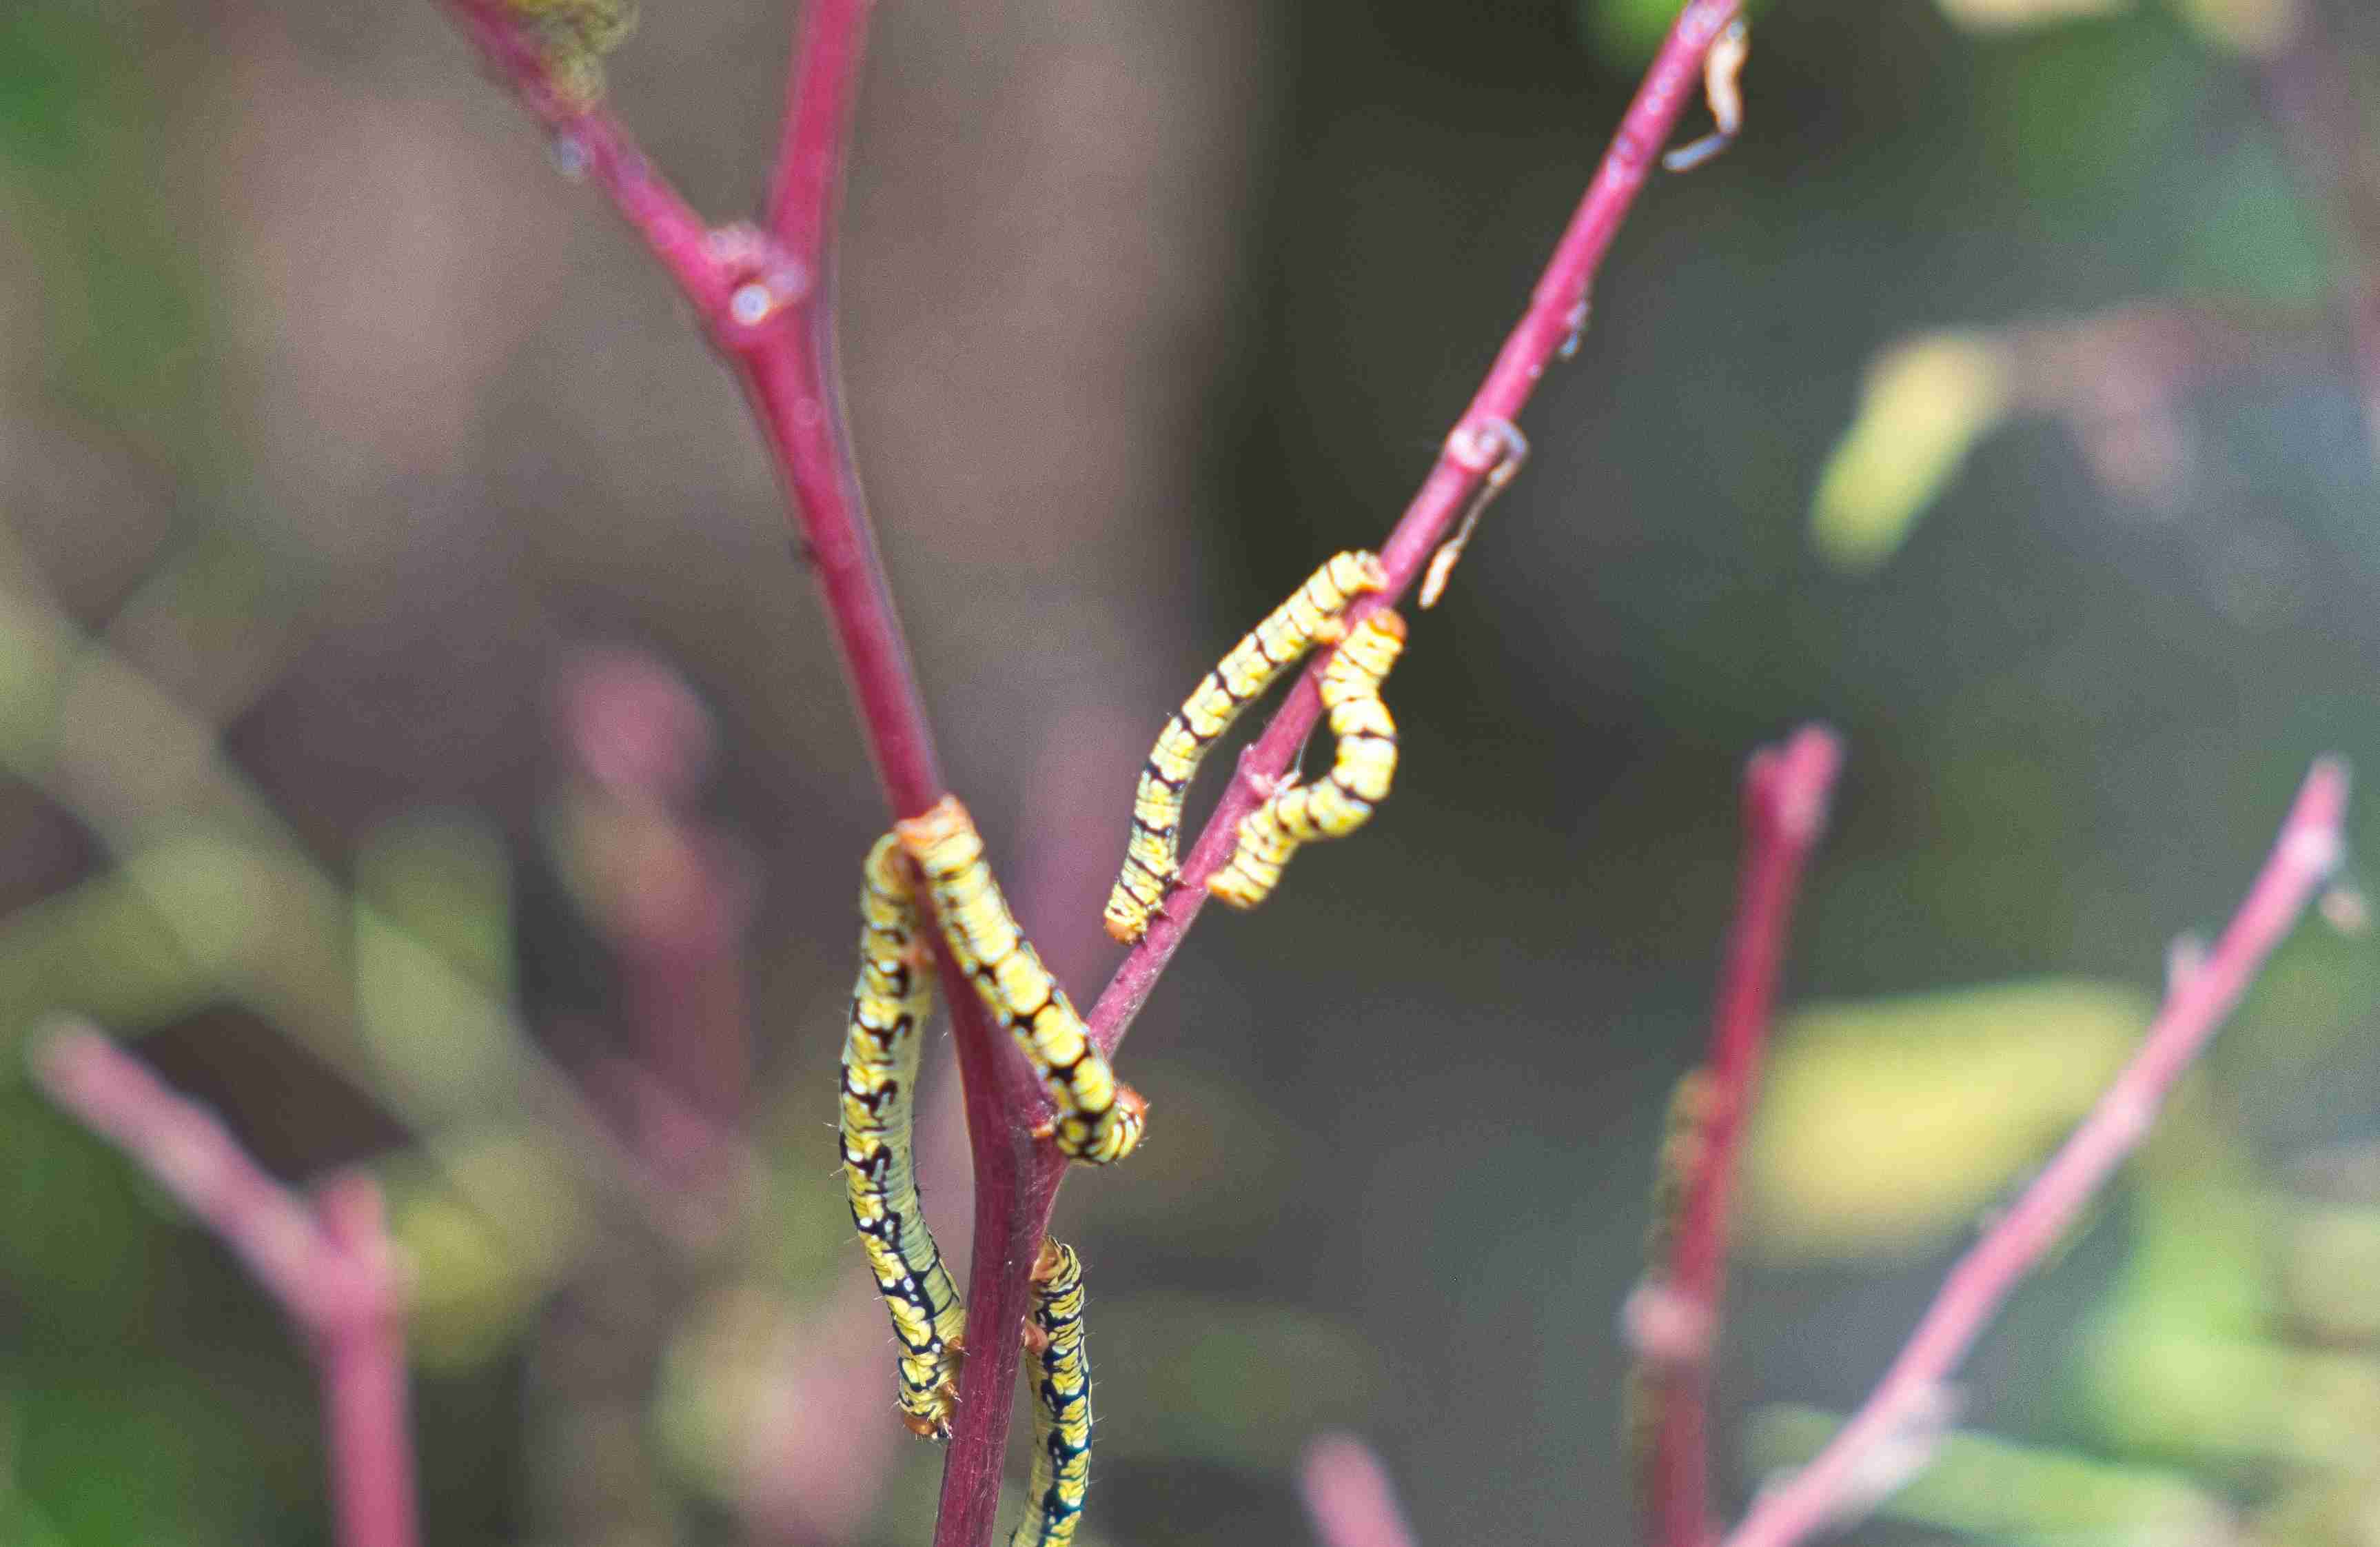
x,y
1100,1117
1342,800
888,1007
1308,618
1062,1402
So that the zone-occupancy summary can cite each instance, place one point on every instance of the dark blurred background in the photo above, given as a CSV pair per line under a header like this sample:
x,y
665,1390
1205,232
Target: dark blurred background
x,y
370,506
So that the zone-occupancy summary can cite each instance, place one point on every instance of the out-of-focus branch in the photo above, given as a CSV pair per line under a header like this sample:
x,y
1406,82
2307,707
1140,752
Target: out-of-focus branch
x,y
1349,1497
673,892
328,1264
1478,458
1673,1318
1887,1440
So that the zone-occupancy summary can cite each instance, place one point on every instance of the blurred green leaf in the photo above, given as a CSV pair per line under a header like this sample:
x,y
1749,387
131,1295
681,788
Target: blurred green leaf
x,y
2253,237
1983,1486
1223,1380
1624,33
1926,403
1883,1126
444,878
2163,1386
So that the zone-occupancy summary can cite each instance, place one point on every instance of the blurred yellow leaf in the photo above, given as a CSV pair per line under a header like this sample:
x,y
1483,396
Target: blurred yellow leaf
x,y
2001,16
1927,402
1884,1125
2162,1384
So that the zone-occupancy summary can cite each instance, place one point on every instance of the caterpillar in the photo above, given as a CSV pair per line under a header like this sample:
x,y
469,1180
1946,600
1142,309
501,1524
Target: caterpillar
x,y
574,35
1062,1405
1100,1117
889,1007
1340,801
1309,616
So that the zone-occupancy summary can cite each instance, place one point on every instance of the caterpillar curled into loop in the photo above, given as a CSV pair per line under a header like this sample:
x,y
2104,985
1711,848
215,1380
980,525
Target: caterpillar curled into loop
x,y
889,1008
1100,1118
1061,1403
1342,800
1311,616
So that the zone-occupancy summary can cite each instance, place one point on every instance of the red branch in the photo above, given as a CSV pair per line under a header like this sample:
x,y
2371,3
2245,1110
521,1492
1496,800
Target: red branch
x,y
328,1264
1887,1438
1674,1318
1349,1496
765,299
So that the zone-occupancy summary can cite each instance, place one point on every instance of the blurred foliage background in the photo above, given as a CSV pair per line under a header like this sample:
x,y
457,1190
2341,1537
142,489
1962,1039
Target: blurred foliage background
x,y
416,735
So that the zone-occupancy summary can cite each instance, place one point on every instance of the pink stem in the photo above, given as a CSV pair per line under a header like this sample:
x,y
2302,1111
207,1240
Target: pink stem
x,y
361,1357
330,1265
1850,1474
1785,797
1556,314
1349,1497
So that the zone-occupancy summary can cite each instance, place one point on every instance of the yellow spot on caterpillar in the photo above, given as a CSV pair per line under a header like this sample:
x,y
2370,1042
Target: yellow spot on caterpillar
x,y
1309,616
1100,1118
888,1007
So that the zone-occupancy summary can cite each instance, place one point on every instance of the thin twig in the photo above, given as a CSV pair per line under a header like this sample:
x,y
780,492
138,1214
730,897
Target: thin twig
x,y
1548,330
1349,1497
329,1264
1886,1440
1786,791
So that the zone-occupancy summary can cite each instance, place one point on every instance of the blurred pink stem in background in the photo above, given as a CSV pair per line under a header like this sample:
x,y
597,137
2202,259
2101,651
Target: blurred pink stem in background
x,y
1888,1441
677,900
329,1263
1786,791
1349,1497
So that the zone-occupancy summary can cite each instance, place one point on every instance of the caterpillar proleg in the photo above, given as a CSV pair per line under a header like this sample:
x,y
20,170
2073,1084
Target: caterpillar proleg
x,y
1100,1117
1061,1403
1309,616
1342,800
888,1007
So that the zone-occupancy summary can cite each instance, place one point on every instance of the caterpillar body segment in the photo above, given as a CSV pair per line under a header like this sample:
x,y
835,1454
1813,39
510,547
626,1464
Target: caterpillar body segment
x,y
1100,1118
1061,1403
1310,617
1342,800
889,1008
